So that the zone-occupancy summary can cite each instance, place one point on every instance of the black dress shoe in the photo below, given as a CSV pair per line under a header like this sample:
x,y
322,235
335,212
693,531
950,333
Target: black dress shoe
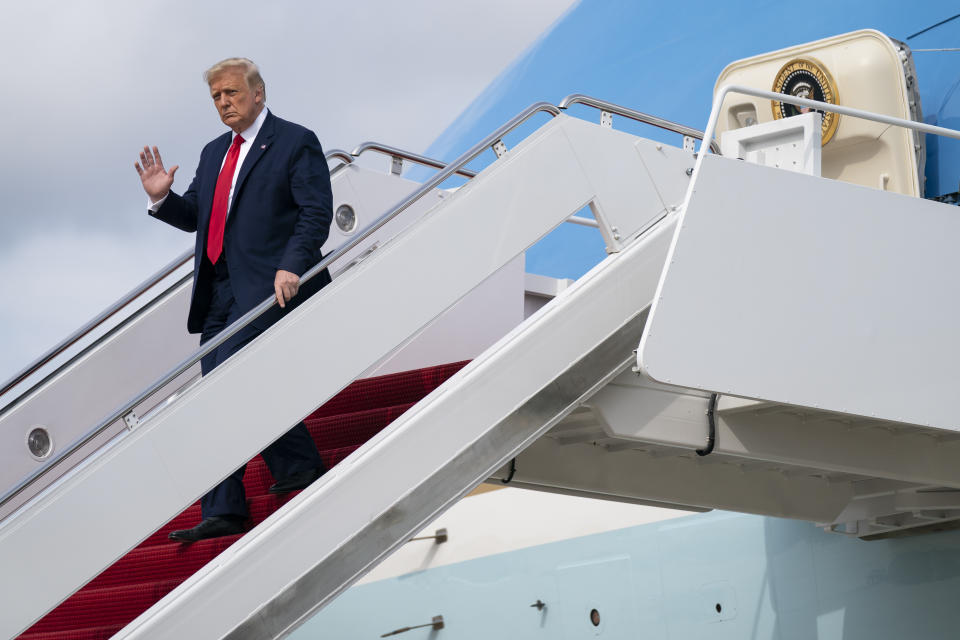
x,y
296,481
212,527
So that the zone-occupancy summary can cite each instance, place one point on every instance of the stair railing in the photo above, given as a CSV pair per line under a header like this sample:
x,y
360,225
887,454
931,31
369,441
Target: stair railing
x,y
125,411
338,154
492,141
398,155
639,116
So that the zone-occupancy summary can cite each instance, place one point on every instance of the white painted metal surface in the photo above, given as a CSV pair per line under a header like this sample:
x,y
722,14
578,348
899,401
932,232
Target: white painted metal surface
x,y
457,436
633,408
468,328
648,474
630,204
634,440
170,460
806,291
792,144
370,193
540,290
87,390
637,412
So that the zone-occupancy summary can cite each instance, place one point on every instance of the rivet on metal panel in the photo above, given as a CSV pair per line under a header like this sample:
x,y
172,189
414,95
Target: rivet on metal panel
x,y
606,119
689,143
131,420
499,148
396,165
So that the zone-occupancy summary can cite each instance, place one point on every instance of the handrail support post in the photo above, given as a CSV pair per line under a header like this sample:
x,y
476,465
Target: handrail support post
x,y
131,420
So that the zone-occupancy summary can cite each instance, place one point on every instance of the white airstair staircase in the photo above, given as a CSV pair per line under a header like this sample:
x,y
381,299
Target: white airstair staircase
x,y
555,404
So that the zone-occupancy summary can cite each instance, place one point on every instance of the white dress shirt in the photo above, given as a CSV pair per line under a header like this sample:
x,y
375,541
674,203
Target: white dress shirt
x,y
249,135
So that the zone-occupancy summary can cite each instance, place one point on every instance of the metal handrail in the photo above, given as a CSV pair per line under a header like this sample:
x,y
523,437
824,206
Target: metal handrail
x,y
267,304
436,164
407,155
338,154
639,116
105,315
823,106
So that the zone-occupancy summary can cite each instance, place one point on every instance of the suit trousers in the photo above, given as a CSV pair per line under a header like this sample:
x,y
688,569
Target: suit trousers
x,y
292,452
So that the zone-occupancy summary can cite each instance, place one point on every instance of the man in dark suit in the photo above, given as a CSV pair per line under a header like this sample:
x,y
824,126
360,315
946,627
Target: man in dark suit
x,y
261,205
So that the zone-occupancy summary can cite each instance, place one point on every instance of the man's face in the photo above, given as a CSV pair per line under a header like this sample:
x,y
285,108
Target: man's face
x,y
237,104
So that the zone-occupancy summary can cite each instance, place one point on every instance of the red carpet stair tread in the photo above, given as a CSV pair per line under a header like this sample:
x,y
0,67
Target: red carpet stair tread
x,y
154,568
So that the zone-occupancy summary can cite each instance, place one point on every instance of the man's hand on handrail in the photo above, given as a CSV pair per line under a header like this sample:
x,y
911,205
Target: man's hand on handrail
x,y
285,285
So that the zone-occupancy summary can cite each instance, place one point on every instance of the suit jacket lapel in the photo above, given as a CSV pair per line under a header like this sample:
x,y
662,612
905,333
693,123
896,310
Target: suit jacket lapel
x,y
259,146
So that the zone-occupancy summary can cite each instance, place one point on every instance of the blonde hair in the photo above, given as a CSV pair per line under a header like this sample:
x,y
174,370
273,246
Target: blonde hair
x,y
250,70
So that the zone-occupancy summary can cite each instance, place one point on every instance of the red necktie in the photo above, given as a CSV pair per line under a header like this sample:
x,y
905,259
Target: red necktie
x,y
221,196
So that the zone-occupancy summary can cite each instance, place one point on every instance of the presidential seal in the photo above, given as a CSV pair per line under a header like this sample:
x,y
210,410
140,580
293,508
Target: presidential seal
x,y
807,78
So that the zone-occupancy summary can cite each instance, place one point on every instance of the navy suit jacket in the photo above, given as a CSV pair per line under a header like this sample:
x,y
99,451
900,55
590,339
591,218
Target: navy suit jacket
x,y
278,219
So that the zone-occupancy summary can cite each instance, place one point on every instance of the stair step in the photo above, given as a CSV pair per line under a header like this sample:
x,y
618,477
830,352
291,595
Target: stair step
x,y
168,561
331,434
260,508
105,607
388,390
335,432
82,633
336,437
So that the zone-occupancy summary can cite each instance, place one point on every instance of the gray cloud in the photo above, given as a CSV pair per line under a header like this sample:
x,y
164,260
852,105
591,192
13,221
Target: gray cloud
x,y
88,83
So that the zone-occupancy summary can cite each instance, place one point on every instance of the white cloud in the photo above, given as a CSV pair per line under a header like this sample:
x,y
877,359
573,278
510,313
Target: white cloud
x,y
88,83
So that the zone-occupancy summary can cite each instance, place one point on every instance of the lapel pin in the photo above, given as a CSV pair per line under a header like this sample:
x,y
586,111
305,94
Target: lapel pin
x,y
263,146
